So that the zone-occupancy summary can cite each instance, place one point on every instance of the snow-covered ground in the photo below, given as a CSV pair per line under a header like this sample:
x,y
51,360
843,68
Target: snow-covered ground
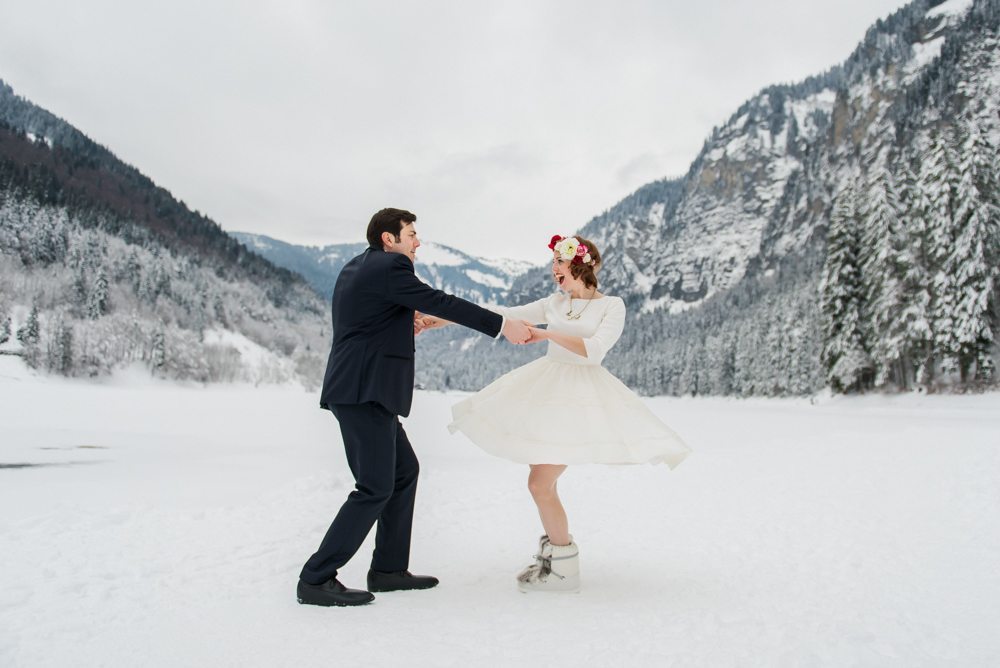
x,y
156,524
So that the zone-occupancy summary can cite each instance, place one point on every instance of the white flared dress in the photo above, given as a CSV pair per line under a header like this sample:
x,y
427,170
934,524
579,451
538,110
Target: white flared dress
x,y
564,408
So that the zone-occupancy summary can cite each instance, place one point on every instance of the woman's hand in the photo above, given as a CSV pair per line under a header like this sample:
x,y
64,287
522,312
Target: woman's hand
x,y
537,334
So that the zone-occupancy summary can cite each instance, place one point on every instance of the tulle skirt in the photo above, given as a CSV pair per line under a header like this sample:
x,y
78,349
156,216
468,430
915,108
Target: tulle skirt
x,y
552,412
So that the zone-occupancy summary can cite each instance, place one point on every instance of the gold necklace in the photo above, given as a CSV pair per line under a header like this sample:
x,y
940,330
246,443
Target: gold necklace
x,y
576,316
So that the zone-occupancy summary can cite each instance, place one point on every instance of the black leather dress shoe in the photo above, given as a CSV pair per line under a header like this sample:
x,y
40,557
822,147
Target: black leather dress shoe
x,y
331,592
399,581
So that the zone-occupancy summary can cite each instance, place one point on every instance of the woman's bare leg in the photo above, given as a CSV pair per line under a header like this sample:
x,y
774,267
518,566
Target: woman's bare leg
x,y
542,485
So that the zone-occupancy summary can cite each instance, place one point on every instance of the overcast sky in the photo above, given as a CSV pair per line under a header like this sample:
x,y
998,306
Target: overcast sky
x,y
498,123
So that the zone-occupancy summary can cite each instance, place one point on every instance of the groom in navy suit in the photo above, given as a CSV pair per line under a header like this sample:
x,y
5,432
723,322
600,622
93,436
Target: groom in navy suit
x,y
368,385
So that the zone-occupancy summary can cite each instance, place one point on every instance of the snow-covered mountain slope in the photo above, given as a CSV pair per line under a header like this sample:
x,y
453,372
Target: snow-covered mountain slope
x,y
762,186
726,270
480,280
102,269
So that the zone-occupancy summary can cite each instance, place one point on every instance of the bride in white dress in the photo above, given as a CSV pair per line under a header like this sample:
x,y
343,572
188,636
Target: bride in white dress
x,y
523,415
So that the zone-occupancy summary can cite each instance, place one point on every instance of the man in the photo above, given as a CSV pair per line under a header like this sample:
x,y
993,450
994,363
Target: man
x,y
368,385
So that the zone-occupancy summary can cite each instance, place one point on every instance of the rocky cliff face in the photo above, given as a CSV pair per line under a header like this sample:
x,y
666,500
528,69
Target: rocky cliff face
x,y
721,268
762,187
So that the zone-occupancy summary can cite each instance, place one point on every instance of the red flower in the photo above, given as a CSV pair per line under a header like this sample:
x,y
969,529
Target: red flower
x,y
555,239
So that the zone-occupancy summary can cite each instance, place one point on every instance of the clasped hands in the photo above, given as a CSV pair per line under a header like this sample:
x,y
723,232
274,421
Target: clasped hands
x,y
515,331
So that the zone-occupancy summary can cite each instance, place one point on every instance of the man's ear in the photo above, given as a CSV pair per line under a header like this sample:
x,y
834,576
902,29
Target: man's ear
x,y
387,239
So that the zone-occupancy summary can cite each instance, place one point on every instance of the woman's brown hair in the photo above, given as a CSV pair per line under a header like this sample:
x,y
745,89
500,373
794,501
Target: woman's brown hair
x,y
587,272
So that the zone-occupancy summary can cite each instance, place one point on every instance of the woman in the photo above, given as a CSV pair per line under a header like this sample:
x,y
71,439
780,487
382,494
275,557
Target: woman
x,y
565,408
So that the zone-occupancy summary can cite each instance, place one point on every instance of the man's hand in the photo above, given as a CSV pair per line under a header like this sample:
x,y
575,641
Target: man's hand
x,y
429,321
517,331
419,323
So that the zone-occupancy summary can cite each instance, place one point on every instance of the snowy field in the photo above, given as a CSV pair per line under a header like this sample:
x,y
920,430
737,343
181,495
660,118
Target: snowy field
x,y
146,523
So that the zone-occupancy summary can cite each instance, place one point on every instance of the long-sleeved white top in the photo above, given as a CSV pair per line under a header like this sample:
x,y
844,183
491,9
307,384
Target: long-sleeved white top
x,y
600,324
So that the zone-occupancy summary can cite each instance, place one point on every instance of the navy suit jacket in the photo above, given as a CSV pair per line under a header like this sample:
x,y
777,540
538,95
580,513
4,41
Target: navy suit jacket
x,y
372,354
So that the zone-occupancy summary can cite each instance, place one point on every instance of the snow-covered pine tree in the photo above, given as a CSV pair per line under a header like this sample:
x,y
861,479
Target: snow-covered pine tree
x,y
97,303
4,327
989,189
939,178
776,341
78,296
717,376
811,377
60,349
880,273
844,357
132,271
801,346
219,309
29,333
914,263
158,350
975,231
743,380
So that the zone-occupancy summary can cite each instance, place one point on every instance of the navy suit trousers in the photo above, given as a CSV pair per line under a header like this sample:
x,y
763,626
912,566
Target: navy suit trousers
x,y
385,472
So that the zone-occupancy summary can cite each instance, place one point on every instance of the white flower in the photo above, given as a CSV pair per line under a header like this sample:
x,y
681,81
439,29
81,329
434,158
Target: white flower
x,y
567,248
587,258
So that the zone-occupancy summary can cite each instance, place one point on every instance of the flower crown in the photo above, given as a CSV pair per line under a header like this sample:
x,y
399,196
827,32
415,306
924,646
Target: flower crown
x,y
571,249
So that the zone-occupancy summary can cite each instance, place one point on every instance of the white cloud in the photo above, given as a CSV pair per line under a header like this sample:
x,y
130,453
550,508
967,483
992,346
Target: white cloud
x,y
300,119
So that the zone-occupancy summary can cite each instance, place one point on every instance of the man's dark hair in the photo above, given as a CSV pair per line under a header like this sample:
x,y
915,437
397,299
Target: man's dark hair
x,y
387,220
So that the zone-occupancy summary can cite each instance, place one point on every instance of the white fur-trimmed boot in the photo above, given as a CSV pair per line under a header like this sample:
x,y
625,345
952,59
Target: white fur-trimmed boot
x,y
557,569
543,540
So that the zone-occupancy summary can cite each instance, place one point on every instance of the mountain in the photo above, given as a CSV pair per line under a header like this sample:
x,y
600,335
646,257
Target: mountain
x,y
841,232
101,269
728,271
761,188
479,280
